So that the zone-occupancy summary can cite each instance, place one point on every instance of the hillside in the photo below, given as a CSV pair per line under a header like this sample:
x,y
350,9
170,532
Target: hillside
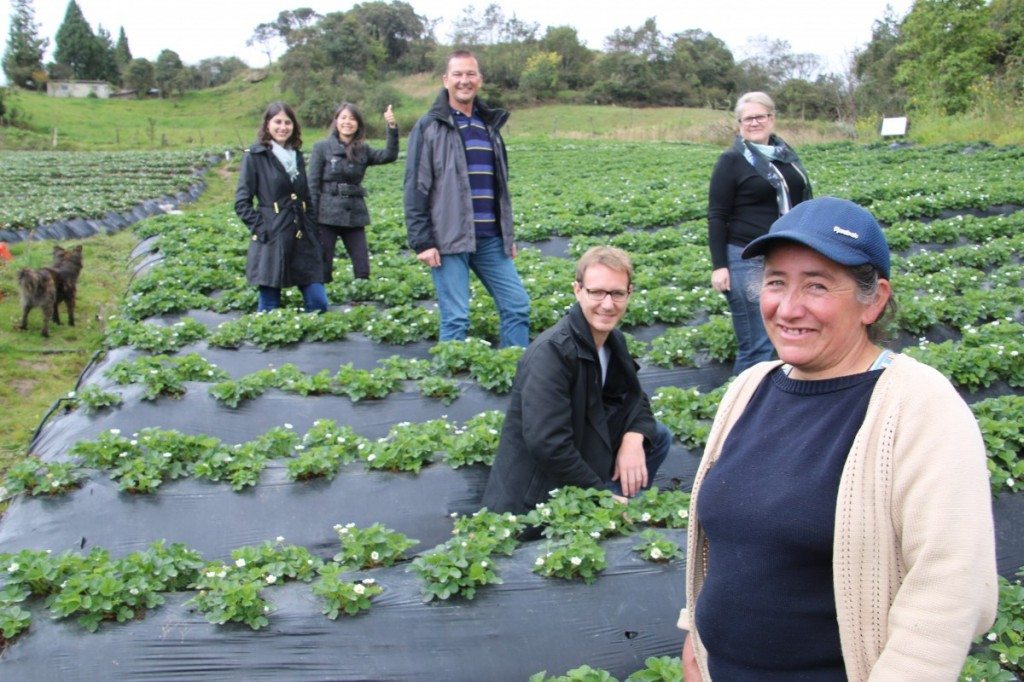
x,y
226,116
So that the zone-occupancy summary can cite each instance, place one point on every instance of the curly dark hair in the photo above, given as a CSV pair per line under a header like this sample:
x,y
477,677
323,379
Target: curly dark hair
x,y
275,108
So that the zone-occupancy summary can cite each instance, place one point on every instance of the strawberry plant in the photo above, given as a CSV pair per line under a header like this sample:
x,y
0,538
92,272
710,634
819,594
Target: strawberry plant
x,y
656,547
441,388
343,596
91,398
456,568
153,338
370,547
574,511
574,556
664,508
408,447
490,531
476,442
33,476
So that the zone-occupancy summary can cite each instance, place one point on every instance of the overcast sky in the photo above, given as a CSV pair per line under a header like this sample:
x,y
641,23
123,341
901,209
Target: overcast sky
x,y
196,29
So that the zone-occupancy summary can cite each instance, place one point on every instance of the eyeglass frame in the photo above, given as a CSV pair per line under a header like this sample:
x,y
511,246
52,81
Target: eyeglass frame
x,y
619,293
759,118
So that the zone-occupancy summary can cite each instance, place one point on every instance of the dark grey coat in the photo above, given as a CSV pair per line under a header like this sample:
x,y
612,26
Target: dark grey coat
x,y
284,249
335,183
438,200
562,428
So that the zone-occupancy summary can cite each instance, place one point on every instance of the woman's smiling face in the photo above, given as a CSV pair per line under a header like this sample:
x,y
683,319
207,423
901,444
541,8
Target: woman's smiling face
x,y
813,315
280,128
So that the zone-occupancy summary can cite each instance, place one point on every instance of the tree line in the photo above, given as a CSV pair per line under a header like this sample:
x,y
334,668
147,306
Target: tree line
x,y
945,55
81,54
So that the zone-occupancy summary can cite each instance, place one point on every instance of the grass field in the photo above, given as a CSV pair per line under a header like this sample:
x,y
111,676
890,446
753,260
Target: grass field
x,y
226,117
35,372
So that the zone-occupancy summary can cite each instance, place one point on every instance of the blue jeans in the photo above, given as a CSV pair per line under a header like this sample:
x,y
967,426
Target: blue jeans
x,y
656,453
498,274
744,282
314,297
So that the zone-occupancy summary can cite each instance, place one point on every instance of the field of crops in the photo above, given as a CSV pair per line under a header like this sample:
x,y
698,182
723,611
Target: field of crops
x,y
192,363
37,188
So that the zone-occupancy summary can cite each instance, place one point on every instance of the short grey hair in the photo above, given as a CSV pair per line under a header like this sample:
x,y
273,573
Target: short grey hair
x,y
865,279
756,97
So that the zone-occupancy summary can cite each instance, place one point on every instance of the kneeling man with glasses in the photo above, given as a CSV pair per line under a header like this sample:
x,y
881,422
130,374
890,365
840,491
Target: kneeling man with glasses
x,y
577,414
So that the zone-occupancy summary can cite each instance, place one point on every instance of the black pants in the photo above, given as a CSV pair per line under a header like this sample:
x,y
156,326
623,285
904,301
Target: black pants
x,y
354,239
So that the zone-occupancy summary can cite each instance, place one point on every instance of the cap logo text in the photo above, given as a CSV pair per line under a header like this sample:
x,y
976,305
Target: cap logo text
x,y
846,233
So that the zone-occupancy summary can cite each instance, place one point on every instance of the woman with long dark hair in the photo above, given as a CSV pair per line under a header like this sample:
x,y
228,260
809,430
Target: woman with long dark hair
x,y
284,249
336,169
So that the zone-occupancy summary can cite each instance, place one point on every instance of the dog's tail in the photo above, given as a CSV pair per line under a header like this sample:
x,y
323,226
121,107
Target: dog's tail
x,y
32,281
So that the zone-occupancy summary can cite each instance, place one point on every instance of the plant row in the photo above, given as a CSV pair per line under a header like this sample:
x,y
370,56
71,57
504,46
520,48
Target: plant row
x,y
144,461
43,187
94,588
162,375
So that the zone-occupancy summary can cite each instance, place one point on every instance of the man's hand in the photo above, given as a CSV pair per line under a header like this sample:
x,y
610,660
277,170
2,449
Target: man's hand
x,y
515,251
431,257
631,464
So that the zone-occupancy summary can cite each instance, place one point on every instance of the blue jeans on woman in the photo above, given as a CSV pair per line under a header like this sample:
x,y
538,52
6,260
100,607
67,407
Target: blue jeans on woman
x,y
314,297
744,283
498,274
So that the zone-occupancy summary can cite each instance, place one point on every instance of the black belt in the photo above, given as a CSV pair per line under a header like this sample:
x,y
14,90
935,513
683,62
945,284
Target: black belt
x,y
346,190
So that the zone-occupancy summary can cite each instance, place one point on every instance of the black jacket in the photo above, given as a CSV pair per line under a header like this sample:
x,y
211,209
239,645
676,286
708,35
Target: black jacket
x,y
742,205
284,249
561,427
335,183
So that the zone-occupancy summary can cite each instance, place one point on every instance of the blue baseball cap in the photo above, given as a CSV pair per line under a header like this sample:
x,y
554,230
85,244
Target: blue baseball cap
x,y
838,229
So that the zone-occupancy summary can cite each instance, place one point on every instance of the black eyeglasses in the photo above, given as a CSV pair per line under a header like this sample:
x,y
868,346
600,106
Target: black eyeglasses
x,y
598,295
750,120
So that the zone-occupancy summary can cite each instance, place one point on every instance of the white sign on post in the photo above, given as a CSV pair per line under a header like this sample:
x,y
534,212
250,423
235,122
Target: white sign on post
x,y
894,126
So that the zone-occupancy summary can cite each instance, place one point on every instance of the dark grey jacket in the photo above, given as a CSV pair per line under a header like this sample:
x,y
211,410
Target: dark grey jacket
x,y
438,201
284,249
335,183
562,428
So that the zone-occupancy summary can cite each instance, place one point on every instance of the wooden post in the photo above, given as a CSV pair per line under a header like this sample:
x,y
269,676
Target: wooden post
x,y
54,138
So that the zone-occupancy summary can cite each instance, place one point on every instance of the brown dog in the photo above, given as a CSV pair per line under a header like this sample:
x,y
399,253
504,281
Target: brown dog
x,y
46,288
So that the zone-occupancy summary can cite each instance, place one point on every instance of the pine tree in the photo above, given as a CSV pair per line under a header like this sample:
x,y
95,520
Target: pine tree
x,y
77,46
122,53
23,59
107,55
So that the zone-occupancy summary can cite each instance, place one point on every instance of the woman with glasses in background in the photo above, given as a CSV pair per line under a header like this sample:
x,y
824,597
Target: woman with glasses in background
x,y
754,182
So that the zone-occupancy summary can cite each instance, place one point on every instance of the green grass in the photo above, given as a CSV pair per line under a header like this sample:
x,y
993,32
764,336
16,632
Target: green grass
x,y
227,116
224,116
37,371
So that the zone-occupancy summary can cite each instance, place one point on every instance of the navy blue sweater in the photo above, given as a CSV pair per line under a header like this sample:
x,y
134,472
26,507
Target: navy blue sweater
x,y
767,609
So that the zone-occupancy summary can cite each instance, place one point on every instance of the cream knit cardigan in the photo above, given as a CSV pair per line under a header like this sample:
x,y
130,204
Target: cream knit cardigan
x,y
914,552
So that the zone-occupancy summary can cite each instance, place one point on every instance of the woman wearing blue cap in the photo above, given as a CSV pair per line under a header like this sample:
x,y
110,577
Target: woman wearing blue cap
x,y
841,521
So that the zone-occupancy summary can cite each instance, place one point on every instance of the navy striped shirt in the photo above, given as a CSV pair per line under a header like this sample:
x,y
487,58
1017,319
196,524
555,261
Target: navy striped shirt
x,y
480,162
